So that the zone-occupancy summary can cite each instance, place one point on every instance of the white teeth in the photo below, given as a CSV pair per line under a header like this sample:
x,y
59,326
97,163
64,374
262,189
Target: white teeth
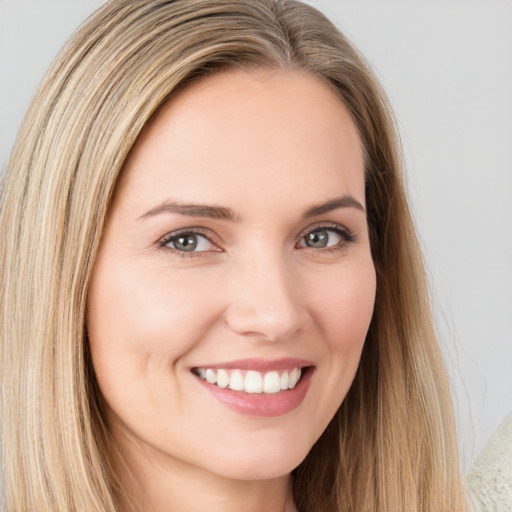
x,y
253,381
284,380
271,383
293,378
222,379
211,376
237,381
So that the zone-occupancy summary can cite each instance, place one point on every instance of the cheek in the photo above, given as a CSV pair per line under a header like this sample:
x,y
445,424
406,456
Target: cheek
x,y
344,306
344,309
141,319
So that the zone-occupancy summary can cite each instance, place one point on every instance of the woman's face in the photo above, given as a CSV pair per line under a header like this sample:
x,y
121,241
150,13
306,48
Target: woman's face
x,y
236,250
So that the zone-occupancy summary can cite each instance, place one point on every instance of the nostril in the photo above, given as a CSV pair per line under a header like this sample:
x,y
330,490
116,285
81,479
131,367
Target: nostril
x,y
276,324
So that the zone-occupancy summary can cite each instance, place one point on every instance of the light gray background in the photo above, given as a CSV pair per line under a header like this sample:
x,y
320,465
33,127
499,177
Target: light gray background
x,y
447,68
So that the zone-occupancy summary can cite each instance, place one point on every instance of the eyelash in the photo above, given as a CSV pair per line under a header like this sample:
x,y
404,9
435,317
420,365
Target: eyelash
x,y
187,232
347,238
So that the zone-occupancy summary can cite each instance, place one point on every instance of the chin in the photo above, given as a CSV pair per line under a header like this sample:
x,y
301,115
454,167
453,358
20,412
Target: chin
x,y
261,463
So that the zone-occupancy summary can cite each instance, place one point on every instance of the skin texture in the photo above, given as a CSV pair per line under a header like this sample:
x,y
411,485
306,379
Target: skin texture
x,y
269,146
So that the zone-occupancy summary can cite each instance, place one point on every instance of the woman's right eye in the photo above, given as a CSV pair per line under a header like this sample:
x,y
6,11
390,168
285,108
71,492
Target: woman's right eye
x,y
188,242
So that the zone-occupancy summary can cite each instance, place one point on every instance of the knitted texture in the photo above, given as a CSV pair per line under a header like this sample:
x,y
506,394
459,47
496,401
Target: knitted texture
x,y
489,482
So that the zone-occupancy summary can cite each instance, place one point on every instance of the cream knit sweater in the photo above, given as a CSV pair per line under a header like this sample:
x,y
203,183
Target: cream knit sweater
x,y
489,482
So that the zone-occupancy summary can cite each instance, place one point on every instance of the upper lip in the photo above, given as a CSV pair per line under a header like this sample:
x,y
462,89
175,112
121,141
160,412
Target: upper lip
x,y
262,365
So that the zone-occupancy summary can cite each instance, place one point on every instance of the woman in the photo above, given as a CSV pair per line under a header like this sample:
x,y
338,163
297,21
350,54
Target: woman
x,y
212,292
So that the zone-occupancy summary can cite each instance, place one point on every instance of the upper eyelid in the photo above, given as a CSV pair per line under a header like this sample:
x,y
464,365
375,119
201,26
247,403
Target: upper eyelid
x,y
324,225
215,238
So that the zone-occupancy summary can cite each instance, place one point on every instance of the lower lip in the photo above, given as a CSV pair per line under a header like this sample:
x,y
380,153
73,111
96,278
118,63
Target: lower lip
x,y
261,404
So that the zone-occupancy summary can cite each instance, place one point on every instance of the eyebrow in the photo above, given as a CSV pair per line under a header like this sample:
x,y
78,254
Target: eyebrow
x,y
192,210
223,213
346,201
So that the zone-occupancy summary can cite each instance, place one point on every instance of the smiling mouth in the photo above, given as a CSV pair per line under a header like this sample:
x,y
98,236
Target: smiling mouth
x,y
251,381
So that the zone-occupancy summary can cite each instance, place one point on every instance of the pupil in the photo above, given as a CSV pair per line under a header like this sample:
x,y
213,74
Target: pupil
x,y
186,243
317,239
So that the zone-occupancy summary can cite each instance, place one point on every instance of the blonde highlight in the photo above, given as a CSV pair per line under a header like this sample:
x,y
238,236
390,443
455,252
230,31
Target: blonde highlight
x,y
391,446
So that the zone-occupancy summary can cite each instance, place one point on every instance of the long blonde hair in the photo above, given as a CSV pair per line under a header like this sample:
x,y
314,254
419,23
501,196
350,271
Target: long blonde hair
x,y
391,445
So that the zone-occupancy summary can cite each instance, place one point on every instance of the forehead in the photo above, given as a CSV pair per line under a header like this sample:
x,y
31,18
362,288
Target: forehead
x,y
270,133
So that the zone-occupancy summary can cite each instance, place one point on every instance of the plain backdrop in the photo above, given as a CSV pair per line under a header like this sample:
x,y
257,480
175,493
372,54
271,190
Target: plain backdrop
x,y
447,68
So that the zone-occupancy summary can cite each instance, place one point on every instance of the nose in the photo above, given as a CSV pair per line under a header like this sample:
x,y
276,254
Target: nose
x,y
266,301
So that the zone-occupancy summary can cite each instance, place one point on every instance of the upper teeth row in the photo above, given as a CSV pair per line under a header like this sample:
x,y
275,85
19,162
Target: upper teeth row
x,y
252,381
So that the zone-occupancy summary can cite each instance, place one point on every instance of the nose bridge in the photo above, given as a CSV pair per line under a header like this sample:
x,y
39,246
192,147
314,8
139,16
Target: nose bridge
x,y
265,298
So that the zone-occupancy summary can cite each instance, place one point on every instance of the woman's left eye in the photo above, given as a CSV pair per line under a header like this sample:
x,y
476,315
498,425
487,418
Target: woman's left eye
x,y
326,238
188,242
